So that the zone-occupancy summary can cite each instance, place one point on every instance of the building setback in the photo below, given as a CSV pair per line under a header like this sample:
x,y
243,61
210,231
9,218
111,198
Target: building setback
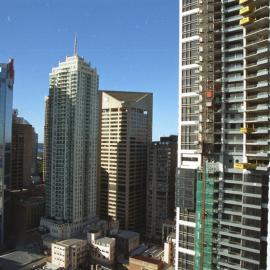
x,y
6,99
24,152
126,132
223,157
70,154
160,203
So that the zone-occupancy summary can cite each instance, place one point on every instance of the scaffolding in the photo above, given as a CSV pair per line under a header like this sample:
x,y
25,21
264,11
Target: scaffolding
x,y
204,221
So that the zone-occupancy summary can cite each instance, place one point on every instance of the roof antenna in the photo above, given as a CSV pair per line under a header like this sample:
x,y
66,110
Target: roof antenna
x,y
75,46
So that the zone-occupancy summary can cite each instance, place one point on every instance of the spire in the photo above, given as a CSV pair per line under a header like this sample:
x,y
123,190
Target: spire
x,y
75,46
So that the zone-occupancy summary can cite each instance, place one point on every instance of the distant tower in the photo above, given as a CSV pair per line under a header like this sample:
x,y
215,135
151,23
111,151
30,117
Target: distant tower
x,y
6,98
24,155
160,203
70,156
126,134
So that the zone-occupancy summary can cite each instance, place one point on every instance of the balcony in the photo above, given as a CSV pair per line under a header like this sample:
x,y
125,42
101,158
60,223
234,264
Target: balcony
x,y
234,78
234,38
238,225
257,153
231,9
233,89
233,58
235,98
259,96
263,118
259,64
263,51
234,68
260,75
233,18
259,86
232,29
234,120
260,107
232,191
262,130
232,131
258,142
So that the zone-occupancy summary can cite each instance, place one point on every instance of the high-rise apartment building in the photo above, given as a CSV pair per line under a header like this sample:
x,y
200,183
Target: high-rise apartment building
x,y
70,157
24,152
160,203
126,133
6,99
223,157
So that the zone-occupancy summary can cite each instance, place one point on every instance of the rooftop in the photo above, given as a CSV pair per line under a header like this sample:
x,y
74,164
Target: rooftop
x,y
18,259
127,234
70,242
147,259
105,241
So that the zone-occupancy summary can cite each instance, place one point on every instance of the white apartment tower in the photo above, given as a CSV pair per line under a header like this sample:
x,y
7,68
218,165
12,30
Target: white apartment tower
x,y
222,185
70,159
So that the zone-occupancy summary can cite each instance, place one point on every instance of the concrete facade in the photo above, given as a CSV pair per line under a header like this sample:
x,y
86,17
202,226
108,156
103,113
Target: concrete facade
x,y
70,147
69,254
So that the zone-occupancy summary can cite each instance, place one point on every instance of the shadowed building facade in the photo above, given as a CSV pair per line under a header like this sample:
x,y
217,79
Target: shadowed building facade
x,y
160,203
6,99
24,152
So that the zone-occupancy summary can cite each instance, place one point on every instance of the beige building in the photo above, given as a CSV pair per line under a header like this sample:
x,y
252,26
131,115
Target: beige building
x,y
71,253
145,263
126,133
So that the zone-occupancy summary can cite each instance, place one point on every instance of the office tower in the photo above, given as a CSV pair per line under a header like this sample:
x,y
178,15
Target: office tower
x,y
160,203
70,156
24,154
6,98
126,133
223,159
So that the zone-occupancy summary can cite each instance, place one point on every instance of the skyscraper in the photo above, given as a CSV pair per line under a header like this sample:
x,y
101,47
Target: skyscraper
x,y
6,98
126,133
24,155
70,156
223,160
160,203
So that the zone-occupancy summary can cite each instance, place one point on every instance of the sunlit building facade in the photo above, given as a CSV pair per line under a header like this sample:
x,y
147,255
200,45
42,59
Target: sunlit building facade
x,y
223,160
71,132
126,134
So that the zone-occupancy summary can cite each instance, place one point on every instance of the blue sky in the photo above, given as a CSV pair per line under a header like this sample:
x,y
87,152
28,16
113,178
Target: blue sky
x,y
132,43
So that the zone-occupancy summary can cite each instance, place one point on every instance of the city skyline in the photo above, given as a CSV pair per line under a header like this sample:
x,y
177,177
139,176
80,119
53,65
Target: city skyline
x,y
140,55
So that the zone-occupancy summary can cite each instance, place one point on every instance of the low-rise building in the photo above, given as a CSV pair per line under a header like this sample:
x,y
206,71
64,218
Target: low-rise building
x,y
71,253
145,263
126,242
21,260
103,251
169,249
